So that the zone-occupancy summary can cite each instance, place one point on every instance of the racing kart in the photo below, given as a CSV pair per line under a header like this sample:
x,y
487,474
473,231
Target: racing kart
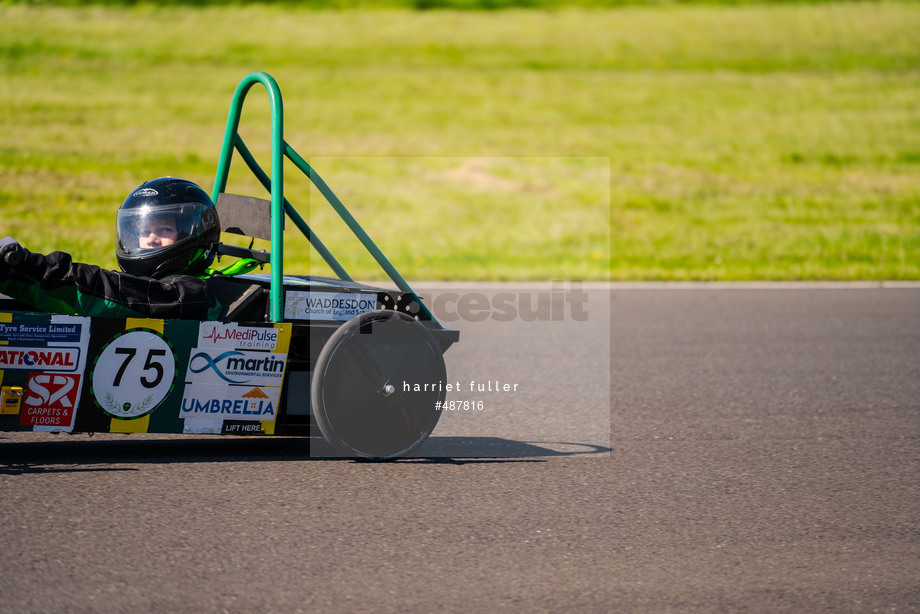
x,y
288,354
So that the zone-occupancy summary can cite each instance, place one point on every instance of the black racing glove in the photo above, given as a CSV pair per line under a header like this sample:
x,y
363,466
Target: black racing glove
x,y
12,254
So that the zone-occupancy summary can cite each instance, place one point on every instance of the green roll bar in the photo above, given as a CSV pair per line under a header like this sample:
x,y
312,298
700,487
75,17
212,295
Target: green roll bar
x,y
279,204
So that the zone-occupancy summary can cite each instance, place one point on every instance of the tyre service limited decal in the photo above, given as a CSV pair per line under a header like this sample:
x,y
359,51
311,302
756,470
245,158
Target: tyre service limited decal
x,y
234,376
43,359
335,306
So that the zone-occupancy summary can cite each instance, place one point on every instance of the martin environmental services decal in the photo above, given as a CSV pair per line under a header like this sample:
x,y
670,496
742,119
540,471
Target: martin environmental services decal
x,y
223,366
133,374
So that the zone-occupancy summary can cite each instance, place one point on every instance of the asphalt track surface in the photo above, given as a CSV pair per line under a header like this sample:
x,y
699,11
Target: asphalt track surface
x,y
755,450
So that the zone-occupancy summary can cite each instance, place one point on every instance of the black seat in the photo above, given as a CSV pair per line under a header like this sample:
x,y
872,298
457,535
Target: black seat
x,y
243,300
246,216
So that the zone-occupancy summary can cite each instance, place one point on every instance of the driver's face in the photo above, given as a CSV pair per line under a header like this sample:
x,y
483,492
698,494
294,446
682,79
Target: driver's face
x,y
157,233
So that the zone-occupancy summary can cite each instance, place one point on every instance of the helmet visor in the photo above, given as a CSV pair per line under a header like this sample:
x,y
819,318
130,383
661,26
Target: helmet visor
x,y
148,231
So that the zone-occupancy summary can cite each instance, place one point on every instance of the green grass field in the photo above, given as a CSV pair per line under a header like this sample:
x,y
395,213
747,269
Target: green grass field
x,y
647,142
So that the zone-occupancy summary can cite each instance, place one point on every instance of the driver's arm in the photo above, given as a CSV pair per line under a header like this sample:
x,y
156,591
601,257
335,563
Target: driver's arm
x,y
54,283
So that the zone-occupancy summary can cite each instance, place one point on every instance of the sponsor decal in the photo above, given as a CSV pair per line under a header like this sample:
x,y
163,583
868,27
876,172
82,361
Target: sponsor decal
x,y
234,374
40,332
133,374
236,367
217,334
209,426
50,399
337,306
246,403
146,192
44,359
39,358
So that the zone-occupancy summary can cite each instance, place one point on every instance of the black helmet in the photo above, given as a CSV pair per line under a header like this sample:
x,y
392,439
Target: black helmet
x,y
173,206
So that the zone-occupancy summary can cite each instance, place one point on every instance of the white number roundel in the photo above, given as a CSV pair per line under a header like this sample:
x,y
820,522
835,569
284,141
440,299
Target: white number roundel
x,y
133,374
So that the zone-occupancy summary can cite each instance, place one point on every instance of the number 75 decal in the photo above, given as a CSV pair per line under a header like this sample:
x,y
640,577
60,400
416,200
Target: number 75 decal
x,y
133,374
150,363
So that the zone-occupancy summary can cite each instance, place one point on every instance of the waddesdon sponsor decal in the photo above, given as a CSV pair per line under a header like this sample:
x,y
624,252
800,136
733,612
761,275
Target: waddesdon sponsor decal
x,y
218,334
338,306
230,402
221,366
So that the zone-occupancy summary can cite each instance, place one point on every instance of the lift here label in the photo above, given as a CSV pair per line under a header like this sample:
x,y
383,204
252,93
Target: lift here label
x,y
336,306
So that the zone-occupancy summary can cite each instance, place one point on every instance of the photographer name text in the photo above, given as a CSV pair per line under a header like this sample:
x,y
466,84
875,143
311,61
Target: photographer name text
x,y
475,386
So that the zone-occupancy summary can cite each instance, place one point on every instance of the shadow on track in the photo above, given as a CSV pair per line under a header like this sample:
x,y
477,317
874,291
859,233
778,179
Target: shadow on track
x,y
76,453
